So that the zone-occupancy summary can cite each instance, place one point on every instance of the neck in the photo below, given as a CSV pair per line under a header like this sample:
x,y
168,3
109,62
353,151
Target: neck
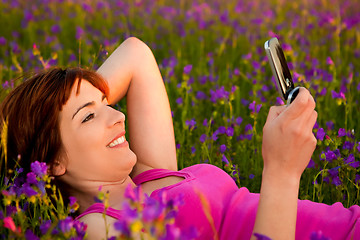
x,y
86,193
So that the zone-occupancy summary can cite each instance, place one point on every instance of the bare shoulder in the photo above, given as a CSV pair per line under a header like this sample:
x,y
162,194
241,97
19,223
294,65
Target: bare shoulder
x,y
96,226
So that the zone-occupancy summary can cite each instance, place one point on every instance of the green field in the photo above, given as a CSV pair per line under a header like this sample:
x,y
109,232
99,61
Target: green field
x,y
212,59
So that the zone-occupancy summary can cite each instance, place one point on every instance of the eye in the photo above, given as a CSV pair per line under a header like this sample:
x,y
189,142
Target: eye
x,y
88,117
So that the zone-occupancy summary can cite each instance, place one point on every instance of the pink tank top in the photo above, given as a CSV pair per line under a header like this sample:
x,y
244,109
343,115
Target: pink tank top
x,y
215,185
233,210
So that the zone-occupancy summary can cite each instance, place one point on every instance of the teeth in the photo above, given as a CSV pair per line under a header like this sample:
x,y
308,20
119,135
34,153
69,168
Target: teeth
x,y
117,141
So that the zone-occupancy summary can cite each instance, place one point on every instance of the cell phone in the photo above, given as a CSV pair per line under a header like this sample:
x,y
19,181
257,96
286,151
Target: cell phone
x,y
280,70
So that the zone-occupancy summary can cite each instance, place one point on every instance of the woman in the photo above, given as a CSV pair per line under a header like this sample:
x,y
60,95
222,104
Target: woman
x,y
64,117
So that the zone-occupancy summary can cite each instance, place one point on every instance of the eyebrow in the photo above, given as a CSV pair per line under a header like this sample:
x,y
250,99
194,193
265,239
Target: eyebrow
x,y
87,105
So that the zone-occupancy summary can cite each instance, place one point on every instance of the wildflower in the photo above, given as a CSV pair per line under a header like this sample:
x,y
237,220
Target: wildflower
x,y
29,235
239,121
203,138
251,176
318,235
311,164
200,95
329,61
224,159
215,135
79,32
330,125
229,131
44,227
179,101
191,124
133,194
66,224
2,41
348,145
358,147
55,29
320,134
187,69
330,155
222,148
39,168
341,132
261,237
9,224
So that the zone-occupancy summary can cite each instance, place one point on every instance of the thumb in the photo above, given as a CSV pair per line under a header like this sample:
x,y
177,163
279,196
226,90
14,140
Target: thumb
x,y
297,107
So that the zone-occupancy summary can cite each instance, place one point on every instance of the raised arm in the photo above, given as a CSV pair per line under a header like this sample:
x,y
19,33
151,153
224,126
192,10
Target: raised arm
x,y
288,143
131,71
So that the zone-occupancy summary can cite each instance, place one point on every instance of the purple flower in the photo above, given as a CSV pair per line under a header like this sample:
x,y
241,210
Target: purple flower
x,y
224,159
248,127
200,95
193,150
348,145
329,61
44,227
222,148
219,94
311,164
261,237
330,155
29,235
203,138
66,224
350,160
190,123
72,201
229,132
222,129
31,178
133,194
79,32
251,176
28,191
336,181
2,41
318,235
187,69
341,132
215,135
55,29
279,101
122,227
358,147
320,134
337,95
330,125
179,101
357,178
238,121
39,168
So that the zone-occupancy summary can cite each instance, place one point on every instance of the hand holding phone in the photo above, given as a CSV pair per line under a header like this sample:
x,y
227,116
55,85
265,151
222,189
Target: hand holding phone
x,y
280,70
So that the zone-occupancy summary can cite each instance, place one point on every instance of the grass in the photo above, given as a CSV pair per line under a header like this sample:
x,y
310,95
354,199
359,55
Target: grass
x,y
222,41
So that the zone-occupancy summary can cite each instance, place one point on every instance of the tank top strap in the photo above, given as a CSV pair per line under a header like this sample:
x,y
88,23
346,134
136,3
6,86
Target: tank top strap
x,y
100,208
154,174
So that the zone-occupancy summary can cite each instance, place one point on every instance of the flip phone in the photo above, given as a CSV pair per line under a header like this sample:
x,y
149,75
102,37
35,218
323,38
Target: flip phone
x,y
280,70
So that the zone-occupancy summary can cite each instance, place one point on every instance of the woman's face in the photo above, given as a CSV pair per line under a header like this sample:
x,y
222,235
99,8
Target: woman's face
x,y
93,137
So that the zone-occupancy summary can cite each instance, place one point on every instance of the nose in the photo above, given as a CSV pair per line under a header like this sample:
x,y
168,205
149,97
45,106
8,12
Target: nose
x,y
116,117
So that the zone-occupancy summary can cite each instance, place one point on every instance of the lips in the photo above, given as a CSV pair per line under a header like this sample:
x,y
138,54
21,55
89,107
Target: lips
x,y
117,141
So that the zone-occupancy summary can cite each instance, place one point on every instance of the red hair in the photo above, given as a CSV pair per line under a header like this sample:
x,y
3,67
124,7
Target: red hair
x,y
31,112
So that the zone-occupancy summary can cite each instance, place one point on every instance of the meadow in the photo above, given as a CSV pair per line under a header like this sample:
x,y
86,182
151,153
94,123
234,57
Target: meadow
x,y
220,86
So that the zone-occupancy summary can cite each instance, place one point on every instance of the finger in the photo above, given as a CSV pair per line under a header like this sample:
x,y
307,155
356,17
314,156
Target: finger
x,y
274,112
299,105
312,120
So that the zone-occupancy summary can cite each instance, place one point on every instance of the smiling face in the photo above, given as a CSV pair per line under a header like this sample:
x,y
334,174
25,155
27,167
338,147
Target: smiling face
x,y
93,138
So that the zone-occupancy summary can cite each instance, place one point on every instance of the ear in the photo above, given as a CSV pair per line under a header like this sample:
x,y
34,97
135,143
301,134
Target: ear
x,y
58,169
